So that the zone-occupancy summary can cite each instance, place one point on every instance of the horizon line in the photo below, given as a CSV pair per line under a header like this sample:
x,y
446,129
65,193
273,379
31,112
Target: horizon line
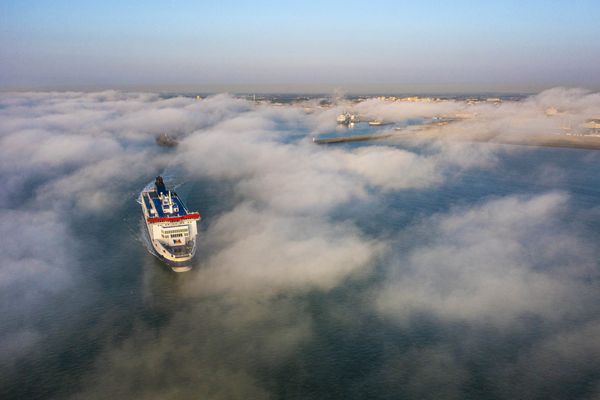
x,y
308,89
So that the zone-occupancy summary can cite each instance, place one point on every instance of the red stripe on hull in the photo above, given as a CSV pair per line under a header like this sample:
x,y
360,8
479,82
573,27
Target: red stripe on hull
x,y
174,219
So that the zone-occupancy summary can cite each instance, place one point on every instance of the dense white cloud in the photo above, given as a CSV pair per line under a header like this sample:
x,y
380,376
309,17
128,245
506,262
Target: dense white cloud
x,y
494,263
261,253
67,157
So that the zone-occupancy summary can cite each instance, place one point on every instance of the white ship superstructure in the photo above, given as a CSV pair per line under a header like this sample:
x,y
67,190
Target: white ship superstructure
x,y
172,229
343,119
347,118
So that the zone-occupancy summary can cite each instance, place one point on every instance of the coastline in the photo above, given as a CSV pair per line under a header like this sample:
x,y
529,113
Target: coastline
x,y
561,141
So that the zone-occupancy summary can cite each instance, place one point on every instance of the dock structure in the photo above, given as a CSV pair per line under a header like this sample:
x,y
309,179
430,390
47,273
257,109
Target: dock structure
x,y
561,141
357,138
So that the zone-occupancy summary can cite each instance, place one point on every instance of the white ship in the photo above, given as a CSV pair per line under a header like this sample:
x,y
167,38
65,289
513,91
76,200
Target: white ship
x,y
343,119
171,228
347,119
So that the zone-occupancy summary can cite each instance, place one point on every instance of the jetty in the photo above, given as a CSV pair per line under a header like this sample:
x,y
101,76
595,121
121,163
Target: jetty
x,y
356,138
561,141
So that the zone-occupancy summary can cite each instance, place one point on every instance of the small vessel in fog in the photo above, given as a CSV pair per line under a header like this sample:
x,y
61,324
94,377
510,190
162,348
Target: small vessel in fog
x,y
347,118
343,119
171,228
166,140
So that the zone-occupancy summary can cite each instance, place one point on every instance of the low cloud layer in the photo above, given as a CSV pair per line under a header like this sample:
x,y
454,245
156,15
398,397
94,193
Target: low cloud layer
x,y
70,162
495,263
264,253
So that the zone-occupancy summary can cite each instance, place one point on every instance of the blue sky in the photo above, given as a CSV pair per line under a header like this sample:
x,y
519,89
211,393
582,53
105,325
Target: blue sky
x,y
356,45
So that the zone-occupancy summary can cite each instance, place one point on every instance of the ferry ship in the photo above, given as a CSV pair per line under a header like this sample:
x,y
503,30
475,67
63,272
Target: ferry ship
x,y
171,228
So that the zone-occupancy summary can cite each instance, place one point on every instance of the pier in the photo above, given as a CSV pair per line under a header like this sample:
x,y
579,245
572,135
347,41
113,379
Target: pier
x,y
357,138
562,141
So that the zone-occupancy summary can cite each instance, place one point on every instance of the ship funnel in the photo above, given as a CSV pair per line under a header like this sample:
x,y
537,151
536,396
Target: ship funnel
x,y
160,185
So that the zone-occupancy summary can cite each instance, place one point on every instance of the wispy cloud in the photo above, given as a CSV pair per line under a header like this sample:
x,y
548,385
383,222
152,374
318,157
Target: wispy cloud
x,y
69,157
494,263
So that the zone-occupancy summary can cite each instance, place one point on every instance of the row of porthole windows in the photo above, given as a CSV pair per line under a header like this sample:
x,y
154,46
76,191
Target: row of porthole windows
x,y
184,230
174,235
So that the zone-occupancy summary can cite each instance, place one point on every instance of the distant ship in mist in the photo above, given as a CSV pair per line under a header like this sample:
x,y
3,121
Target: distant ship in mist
x,y
166,140
172,229
347,118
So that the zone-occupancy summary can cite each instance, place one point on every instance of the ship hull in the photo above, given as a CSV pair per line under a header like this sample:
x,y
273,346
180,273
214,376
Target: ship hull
x,y
181,266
